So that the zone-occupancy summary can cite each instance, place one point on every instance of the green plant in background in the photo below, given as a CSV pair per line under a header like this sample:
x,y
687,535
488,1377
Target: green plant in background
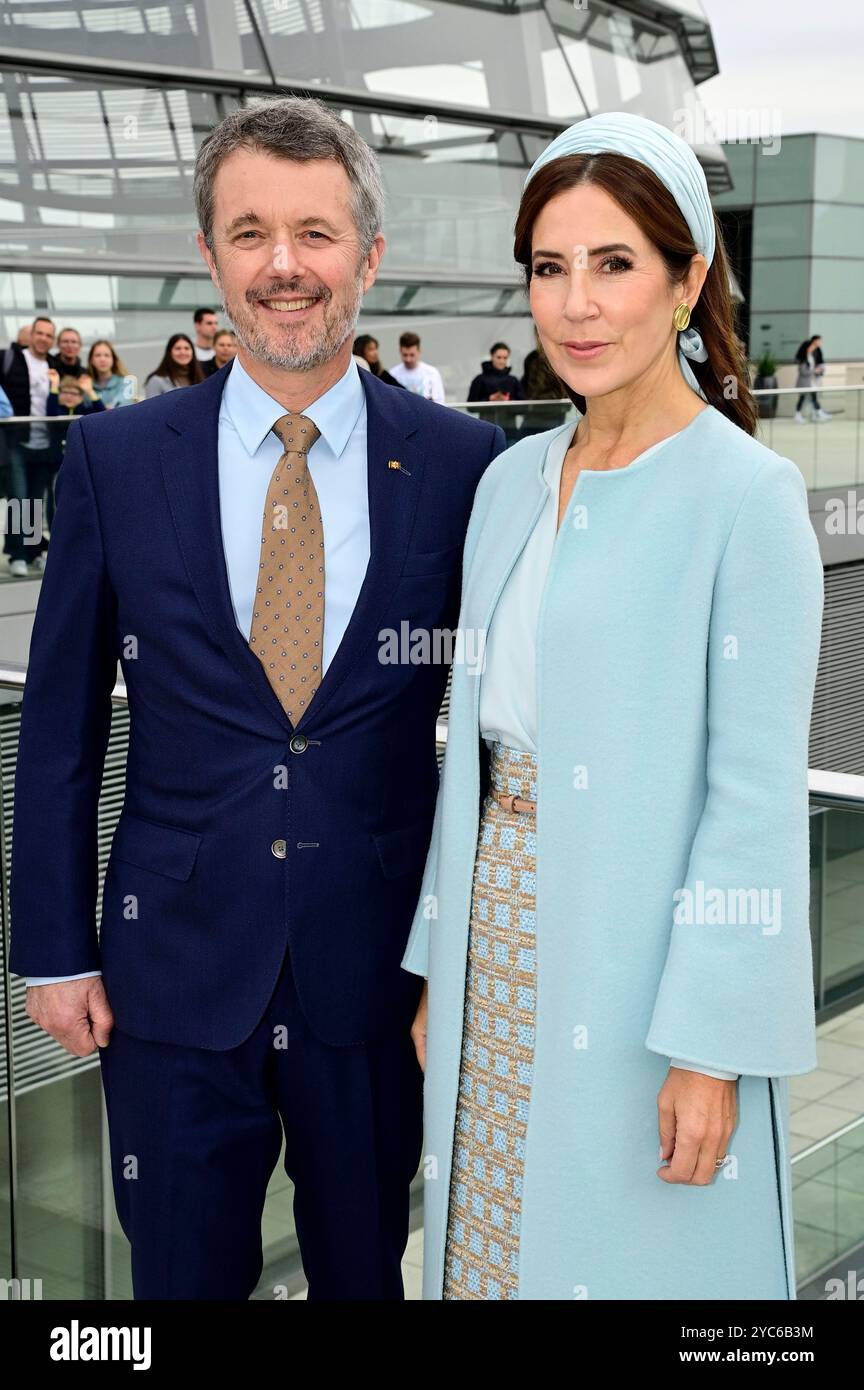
x,y
767,365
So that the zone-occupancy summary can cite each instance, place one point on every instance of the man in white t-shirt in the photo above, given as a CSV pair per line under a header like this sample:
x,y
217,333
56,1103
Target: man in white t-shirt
x,y
416,375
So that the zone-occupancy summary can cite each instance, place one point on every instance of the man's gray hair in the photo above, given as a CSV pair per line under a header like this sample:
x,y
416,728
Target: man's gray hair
x,y
300,128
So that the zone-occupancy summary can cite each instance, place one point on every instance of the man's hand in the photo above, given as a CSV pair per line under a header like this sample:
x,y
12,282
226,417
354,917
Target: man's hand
x,y
75,1012
418,1029
697,1115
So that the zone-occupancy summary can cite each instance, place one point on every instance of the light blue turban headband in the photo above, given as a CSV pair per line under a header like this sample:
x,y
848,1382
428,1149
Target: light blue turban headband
x,y
676,166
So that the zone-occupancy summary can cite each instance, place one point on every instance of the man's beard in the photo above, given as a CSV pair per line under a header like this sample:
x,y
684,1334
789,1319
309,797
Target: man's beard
x,y
339,320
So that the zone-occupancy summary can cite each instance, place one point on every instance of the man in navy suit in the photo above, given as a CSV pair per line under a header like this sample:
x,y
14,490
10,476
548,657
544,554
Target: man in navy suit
x,y
269,854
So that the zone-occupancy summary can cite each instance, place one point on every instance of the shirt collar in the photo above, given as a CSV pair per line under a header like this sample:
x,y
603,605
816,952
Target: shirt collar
x,y
253,413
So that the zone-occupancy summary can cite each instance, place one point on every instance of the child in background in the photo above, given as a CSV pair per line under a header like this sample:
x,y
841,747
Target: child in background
x,y
68,397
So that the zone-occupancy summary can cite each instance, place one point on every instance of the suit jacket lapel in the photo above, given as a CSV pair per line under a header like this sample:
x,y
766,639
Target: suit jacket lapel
x,y
190,470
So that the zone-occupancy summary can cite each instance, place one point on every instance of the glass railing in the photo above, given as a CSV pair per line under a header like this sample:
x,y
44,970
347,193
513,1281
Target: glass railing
x,y
828,1203
57,1217
829,453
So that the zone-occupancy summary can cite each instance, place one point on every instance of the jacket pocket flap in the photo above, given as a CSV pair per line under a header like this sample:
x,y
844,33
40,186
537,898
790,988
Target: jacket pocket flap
x,y
164,849
404,849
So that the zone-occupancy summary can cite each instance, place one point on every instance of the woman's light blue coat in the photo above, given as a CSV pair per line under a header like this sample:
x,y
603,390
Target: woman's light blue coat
x,y
677,650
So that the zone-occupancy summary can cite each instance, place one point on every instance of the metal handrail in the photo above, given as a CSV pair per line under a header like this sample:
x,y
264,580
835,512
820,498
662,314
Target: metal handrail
x,y
829,1139
501,405
820,386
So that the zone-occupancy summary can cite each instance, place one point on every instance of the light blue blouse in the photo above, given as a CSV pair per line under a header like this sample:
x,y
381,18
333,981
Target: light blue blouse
x,y
508,697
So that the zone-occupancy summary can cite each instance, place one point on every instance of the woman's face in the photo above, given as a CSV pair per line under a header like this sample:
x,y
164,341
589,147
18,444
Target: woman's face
x,y
181,353
101,360
596,278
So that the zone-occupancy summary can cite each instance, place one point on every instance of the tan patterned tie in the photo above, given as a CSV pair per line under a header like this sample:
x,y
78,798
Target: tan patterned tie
x,y
288,618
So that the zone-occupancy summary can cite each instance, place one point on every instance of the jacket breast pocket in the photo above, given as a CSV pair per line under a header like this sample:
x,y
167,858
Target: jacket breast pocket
x,y
402,850
420,562
163,849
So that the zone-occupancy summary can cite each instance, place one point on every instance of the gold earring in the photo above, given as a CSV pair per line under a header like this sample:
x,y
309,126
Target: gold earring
x,y
681,317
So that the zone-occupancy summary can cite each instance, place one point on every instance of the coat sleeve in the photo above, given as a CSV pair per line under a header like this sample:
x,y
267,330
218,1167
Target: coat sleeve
x,y
736,992
416,957
65,724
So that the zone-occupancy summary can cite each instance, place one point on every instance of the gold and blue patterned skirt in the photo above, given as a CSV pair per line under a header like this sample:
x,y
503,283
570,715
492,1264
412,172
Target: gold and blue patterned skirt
x,y
482,1250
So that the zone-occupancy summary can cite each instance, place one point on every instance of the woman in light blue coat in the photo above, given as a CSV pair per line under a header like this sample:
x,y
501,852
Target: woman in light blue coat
x,y
614,914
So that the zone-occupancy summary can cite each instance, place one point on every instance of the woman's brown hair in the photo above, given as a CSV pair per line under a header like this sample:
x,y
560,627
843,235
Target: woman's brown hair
x,y
179,376
638,192
117,367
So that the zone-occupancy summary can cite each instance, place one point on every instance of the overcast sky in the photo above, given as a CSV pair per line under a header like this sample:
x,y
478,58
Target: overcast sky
x,y
804,58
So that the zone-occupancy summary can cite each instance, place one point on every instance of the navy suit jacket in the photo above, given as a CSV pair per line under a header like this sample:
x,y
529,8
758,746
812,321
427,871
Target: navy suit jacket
x,y
198,909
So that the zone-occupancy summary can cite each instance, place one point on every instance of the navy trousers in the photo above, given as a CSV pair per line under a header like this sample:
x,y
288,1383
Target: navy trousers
x,y
195,1136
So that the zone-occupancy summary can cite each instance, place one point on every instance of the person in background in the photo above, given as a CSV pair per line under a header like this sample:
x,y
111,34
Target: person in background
x,y
23,339
496,382
416,375
24,378
206,325
68,396
540,383
224,351
5,413
366,349
67,359
811,366
179,367
113,385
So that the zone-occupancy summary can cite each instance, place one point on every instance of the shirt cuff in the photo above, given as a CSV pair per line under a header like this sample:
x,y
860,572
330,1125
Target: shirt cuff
x,y
706,1071
59,979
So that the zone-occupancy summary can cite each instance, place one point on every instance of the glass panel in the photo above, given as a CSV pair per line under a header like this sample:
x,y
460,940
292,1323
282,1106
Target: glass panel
x,y
827,1188
6,1114
453,187
203,35
838,285
828,452
788,174
838,229
843,929
838,169
741,159
560,60
470,55
89,171
780,284
626,62
59,1198
781,229
519,420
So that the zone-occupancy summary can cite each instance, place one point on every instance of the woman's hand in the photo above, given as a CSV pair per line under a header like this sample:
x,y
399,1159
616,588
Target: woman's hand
x,y
696,1115
418,1028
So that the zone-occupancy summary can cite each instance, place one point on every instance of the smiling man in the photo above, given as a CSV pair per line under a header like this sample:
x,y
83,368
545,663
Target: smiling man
x,y
240,546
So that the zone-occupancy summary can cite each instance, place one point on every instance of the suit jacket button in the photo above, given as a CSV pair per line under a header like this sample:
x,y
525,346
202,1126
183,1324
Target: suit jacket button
x,y
278,848
299,743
